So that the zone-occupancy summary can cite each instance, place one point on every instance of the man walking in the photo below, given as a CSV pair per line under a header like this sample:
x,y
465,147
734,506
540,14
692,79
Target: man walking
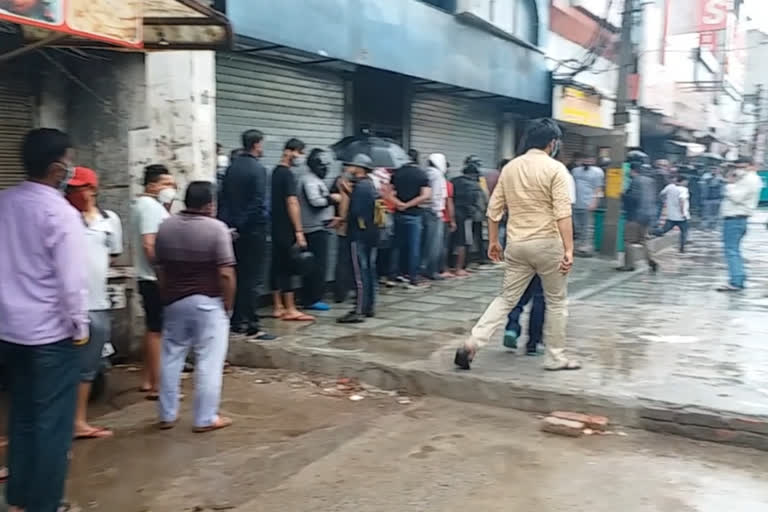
x,y
640,209
43,307
741,198
243,208
533,190
411,190
589,181
147,213
287,233
103,242
196,273
675,196
434,210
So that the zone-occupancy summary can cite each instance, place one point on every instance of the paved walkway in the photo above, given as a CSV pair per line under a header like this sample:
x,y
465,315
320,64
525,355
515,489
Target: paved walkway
x,y
665,352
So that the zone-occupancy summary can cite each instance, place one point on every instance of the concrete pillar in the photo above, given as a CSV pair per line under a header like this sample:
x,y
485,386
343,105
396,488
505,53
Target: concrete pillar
x,y
181,102
507,138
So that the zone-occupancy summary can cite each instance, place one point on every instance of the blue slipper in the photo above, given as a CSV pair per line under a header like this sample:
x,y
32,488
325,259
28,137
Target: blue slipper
x,y
510,339
319,306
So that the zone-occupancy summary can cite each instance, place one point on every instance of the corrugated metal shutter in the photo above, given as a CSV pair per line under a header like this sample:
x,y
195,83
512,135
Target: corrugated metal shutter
x,y
280,100
456,127
572,143
16,118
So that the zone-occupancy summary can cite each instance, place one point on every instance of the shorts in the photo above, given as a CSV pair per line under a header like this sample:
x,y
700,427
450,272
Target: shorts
x,y
463,234
153,305
284,272
90,353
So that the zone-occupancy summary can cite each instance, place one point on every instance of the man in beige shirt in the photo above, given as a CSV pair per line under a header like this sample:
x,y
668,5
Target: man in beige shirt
x,y
533,189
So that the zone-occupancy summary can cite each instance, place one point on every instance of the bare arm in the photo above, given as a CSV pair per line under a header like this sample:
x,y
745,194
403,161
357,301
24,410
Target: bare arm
x,y
451,212
294,213
228,285
425,193
148,243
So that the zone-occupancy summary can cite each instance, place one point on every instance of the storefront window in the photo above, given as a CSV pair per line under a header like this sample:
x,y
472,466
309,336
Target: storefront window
x,y
527,21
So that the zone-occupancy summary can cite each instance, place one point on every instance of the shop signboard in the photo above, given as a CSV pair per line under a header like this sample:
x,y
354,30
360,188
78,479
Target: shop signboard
x,y
578,107
118,22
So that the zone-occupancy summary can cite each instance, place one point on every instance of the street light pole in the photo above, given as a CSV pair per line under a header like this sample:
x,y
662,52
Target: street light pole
x,y
614,180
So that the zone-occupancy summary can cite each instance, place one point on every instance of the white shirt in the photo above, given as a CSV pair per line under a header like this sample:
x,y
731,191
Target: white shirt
x,y
146,216
741,198
439,188
675,197
103,239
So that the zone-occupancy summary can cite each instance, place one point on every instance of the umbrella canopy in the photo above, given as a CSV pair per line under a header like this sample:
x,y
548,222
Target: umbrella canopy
x,y
383,152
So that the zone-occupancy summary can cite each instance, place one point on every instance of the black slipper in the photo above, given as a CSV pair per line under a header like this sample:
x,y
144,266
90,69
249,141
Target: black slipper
x,y
463,358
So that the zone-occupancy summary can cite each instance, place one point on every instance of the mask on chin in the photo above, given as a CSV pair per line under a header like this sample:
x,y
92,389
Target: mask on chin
x,y
69,174
555,149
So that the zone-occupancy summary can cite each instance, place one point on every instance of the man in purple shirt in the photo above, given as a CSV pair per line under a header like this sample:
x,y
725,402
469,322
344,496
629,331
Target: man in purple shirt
x,y
44,318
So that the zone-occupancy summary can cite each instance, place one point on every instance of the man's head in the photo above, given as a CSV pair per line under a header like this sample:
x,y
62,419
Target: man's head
x,y
662,164
199,198
578,158
413,155
253,142
682,180
159,182
219,149
47,156
359,166
543,134
293,152
82,189
438,161
745,163
319,162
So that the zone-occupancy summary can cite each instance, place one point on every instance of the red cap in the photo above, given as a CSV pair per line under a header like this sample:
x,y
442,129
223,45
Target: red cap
x,y
84,176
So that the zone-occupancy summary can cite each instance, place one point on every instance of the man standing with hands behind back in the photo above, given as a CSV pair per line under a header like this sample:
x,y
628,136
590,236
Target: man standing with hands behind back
x,y
533,191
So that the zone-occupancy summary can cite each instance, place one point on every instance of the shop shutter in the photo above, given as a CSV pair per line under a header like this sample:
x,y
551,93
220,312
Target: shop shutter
x,y
16,118
572,143
282,101
456,127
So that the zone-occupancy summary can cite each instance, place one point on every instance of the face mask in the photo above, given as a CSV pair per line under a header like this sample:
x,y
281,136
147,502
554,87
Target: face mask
x,y
78,200
167,195
298,161
321,171
555,149
70,172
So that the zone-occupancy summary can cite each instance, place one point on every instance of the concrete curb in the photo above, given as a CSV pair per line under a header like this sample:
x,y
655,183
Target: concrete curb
x,y
691,422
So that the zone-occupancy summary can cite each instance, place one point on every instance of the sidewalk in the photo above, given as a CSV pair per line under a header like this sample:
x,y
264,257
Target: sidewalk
x,y
662,352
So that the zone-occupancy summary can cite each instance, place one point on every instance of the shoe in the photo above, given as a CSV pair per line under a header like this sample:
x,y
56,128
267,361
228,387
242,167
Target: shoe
x,y
653,266
370,314
625,269
389,283
463,358
319,306
351,318
729,289
402,279
238,329
510,339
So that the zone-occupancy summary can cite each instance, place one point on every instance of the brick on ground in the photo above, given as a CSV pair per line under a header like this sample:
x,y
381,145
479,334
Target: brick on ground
x,y
599,423
563,427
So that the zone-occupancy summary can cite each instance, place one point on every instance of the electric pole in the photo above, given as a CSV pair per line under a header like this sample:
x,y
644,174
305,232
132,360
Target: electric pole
x,y
758,119
614,180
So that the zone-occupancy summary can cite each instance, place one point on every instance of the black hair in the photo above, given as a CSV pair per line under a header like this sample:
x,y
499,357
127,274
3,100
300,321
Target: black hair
x,y
236,153
251,137
503,163
199,195
413,155
41,148
294,145
745,160
681,178
540,133
153,173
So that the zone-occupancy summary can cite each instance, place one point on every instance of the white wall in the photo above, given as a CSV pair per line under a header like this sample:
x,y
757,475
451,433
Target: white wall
x,y
559,49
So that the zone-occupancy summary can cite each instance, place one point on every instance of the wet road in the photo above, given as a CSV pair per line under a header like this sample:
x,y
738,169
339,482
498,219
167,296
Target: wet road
x,y
296,449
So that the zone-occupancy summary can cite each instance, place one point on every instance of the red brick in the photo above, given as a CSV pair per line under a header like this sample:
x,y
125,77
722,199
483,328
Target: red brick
x,y
594,422
563,427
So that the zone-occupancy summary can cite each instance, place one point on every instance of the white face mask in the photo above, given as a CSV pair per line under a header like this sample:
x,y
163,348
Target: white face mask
x,y
167,195
299,161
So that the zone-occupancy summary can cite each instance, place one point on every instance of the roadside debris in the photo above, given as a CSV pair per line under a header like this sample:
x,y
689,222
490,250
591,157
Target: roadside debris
x,y
574,424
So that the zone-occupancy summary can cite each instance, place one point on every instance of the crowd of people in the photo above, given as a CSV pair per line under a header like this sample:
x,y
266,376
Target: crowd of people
x,y
201,271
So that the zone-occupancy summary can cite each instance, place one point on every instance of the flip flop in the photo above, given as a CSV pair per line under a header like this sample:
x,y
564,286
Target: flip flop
x,y
95,433
152,396
221,422
276,315
166,425
301,317
567,366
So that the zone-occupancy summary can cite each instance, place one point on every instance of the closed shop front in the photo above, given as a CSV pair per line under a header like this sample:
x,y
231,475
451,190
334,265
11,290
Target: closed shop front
x,y
456,127
572,143
16,118
283,101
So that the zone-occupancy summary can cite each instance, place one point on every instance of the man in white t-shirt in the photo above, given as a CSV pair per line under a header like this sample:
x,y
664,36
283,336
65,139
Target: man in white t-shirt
x,y
147,213
103,241
677,202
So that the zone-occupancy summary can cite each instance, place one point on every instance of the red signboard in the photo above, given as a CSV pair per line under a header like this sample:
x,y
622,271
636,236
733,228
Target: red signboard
x,y
713,15
117,22
708,41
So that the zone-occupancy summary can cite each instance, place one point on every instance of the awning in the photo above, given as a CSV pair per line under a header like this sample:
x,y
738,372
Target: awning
x,y
691,148
129,24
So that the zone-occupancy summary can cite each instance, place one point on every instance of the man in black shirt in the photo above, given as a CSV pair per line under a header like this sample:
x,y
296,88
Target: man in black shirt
x,y
242,206
411,189
287,232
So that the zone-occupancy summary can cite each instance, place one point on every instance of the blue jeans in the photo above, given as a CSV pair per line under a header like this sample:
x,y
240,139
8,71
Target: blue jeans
x,y
197,322
432,243
42,384
536,323
669,225
364,272
710,213
408,241
734,229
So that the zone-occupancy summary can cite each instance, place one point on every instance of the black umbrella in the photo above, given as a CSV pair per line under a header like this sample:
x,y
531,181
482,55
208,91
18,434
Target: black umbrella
x,y
384,152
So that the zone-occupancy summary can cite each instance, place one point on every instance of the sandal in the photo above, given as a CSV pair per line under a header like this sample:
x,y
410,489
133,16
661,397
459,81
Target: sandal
x,y
301,317
219,423
166,425
566,366
94,433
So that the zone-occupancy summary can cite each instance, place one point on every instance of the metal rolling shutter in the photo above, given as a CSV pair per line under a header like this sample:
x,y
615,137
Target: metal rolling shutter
x,y
280,100
16,118
572,143
456,127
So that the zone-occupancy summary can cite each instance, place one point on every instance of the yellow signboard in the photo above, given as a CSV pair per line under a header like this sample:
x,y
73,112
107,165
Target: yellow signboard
x,y
614,183
578,107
